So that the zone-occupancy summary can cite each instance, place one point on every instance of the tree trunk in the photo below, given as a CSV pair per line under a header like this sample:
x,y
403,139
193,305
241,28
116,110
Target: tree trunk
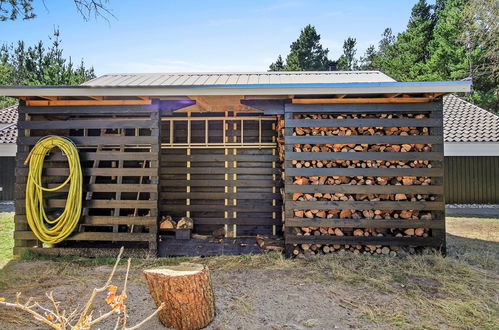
x,y
187,293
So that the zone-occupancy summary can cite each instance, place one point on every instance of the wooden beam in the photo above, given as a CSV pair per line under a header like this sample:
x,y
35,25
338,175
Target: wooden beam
x,y
42,103
51,98
363,100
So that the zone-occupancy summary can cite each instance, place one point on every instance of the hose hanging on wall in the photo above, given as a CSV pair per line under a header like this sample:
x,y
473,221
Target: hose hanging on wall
x,y
45,229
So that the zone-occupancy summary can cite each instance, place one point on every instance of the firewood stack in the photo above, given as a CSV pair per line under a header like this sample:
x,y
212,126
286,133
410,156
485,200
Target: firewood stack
x,y
333,196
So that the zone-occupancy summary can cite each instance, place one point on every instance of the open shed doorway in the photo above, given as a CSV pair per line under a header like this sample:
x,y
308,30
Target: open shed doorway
x,y
222,170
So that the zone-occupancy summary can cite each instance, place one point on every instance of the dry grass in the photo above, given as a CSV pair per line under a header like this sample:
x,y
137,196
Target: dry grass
x,y
423,291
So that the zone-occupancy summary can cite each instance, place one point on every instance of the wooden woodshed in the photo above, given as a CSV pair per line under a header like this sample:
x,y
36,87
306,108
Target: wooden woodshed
x,y
326,160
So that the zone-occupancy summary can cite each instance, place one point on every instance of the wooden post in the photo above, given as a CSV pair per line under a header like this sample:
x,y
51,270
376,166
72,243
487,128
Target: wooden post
x,y
187,293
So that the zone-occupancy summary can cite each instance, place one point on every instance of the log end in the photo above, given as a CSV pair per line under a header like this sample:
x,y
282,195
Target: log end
x,y
184,269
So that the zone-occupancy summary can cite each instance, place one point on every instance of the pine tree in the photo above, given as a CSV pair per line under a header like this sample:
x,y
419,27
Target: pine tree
x,y
306,54
405,58
278,65
347,61
35,65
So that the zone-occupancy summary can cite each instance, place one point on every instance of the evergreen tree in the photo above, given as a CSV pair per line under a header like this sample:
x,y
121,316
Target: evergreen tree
x,y
347,61
370,59
278,65
306,54
405,58
481,35
35,65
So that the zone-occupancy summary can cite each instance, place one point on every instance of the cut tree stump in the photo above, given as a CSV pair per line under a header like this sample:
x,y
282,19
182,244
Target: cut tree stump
x,y
187,293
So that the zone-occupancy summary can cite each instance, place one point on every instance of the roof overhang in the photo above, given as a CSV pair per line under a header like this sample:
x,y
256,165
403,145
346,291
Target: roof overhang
x,y
442,87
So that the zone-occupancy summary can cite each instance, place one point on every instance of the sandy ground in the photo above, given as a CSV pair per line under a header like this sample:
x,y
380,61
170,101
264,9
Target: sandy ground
x,y
319,293
245,299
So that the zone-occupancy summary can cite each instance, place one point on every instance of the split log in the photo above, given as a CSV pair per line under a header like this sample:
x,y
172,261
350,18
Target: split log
x,y
185,223
167,223
187,293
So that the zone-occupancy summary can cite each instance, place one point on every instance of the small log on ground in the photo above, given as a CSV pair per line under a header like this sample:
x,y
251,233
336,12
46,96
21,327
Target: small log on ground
x,y
185,223
167,223
187,293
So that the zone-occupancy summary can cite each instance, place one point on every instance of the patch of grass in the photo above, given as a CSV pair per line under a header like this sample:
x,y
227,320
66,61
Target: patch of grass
x,y
419,291
6,237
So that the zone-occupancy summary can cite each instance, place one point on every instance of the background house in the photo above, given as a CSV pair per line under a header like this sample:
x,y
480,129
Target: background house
x,y
471,153
8,136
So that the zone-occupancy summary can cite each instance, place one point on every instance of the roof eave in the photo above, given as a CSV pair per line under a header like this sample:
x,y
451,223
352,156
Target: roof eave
x,y
270,89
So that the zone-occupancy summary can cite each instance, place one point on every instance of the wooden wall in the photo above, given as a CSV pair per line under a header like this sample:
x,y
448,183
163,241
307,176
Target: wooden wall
x,y
385,236
472,180
235,186
119,148
7,178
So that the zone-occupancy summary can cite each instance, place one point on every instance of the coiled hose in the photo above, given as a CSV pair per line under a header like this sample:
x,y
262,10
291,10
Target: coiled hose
x,y
55,230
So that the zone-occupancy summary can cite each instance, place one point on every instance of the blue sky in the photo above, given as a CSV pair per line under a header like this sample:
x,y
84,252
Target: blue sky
x,y
214,35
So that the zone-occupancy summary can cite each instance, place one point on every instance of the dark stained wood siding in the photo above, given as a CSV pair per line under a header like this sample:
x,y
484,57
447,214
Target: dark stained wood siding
x,y
232,186
7,178
119,151
470,180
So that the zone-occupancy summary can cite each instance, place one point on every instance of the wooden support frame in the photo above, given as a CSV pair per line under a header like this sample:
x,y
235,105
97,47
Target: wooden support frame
x,y
110,204
435,138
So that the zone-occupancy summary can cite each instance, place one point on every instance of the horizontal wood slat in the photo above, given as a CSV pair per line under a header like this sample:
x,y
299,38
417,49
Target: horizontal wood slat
x,y
212,195
103,155
106,220
218,170
364,223
363,122
90,124
365,139
132,171
361,108
364,156
369,240
355,205
220,183
95,236
238,221
364,189
102,204
228,208
96,140
342,171
216,158
95,109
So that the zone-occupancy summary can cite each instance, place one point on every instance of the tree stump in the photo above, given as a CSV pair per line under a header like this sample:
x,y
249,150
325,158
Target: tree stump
x,y
187,293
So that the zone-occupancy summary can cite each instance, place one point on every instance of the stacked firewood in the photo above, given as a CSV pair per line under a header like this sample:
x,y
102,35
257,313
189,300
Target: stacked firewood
x,y
361,115
378,232
363,180
280,137
307,249
378,214
361,163
414,147
363,214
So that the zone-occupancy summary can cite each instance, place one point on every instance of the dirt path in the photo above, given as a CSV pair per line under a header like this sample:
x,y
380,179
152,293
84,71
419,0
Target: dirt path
x,y
245,299
269,292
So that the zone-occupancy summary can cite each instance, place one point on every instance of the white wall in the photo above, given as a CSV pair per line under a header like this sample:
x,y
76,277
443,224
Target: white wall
x,y
471,149
8,149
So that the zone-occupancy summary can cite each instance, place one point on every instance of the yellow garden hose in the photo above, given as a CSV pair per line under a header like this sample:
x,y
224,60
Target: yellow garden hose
x,y
55,230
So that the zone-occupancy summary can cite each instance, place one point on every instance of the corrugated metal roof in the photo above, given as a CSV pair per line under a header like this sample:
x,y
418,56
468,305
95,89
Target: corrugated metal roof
x,y
465,122
235,78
